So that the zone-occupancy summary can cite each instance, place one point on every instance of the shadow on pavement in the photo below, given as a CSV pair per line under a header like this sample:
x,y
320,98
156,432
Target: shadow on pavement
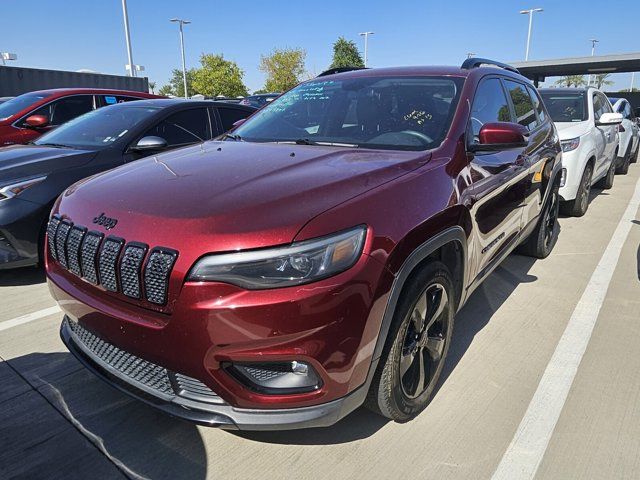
x,y
483,304
21,276
140,441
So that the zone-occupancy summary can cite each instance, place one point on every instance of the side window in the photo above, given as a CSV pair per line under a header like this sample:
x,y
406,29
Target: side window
x,y
489,105
229,116
537,103
627,111
598,106
522,104
65,109
606,103
113,99
183,128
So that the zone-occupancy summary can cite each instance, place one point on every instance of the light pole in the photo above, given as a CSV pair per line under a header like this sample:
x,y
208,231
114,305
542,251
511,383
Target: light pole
x,y
593,51
7,56
131,68
529,12
633,77
182,22
366,45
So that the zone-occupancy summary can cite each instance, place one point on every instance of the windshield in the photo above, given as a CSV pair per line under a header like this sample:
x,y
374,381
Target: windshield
x,y
14,105
399,113
98,128
565,106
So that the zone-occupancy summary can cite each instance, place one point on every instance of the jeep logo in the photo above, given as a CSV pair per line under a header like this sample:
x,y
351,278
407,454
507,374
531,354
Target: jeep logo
x,y
106,222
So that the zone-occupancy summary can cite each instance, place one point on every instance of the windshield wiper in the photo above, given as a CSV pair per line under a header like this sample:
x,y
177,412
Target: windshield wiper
x,y
307,141
233,136
55,145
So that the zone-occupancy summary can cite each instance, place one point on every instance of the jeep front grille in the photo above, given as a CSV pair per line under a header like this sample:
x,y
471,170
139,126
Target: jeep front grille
x,y
138,372
110,262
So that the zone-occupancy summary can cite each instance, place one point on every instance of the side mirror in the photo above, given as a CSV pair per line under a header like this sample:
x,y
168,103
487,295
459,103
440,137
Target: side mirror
x,y
609,119
149,144
237,123
37,121
500,136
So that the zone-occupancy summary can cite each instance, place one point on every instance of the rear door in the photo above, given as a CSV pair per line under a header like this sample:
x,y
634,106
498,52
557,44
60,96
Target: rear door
x,y
498,178
602,134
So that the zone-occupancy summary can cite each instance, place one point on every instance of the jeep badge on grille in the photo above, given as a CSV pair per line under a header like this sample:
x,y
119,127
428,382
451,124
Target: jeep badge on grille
x,y
106,222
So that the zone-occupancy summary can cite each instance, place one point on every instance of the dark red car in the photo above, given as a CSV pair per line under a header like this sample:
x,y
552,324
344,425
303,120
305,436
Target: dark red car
x,y
312,260
25,117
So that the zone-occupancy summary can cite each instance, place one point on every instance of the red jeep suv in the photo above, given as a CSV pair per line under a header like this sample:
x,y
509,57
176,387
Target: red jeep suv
x,y
313,259
25,117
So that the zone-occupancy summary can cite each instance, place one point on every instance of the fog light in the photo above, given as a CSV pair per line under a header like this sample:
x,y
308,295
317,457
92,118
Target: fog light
x,y
277,377
563,177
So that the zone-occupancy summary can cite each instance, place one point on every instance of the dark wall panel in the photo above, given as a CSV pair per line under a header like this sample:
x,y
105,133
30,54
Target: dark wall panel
x,y
18,80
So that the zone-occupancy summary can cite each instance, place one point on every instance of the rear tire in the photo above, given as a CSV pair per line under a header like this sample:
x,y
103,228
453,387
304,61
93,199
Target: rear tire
x,y
542,240
416,346
578,207
607,182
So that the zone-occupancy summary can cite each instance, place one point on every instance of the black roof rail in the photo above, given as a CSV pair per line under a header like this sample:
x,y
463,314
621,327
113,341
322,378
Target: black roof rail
x,y
333,71
475,62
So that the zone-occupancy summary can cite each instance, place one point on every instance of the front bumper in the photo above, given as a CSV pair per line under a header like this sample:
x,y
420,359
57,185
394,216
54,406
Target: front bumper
x,y
20,229
208,410
574,166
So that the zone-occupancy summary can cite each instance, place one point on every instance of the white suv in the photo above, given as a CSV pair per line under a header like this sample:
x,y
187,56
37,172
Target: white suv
x,y
629,135
588,131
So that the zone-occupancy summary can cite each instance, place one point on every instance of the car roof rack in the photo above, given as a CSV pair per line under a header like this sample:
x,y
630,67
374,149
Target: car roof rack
x,y
475,62
333,71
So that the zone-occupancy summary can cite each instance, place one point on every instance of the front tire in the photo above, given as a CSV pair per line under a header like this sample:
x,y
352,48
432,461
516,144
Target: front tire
x,y
542,240
417,345
626,161
578,207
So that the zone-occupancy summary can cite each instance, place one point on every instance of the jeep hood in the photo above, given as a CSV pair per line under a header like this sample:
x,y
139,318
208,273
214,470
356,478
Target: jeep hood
x,y
569,130
225,196
24,161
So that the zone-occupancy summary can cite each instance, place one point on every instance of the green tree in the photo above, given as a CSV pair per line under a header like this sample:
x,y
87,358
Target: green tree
x,y
346,54
175,86
572,81
283,68
601,80
152,87
218,76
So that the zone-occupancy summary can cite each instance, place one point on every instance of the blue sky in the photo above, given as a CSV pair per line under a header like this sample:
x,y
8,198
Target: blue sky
x,y
75,34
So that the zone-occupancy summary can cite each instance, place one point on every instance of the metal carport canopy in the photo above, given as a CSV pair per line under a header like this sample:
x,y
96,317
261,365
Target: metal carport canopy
x,y
540,69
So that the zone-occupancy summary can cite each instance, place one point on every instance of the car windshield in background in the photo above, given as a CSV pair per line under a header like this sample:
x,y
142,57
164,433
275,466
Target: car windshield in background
x,y
565,106
16,104
99,128
399,113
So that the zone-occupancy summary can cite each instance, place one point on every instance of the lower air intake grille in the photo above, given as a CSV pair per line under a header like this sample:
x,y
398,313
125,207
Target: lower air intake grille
x,y
140,372
156,274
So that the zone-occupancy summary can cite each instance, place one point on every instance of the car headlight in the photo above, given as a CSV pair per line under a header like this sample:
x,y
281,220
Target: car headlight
x,y
571,144
298,263
16,188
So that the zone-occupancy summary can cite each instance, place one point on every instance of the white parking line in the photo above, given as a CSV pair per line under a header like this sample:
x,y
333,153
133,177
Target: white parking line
x,y
30,317
524,454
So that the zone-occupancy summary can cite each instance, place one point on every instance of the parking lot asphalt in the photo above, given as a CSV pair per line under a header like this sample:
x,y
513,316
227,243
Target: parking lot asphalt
x,y
59,421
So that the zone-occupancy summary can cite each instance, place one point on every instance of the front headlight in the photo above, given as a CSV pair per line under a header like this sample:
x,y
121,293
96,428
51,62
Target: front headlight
x,y
12,189
571,144
298,263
